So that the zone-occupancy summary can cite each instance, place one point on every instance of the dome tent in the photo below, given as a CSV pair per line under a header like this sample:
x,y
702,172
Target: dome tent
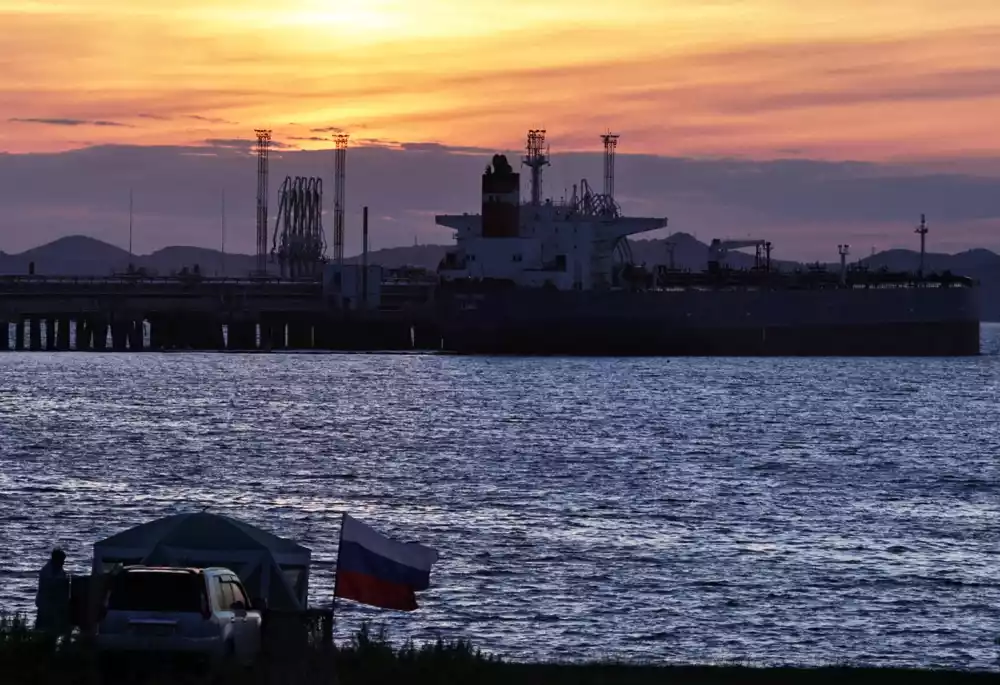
x,y
271,567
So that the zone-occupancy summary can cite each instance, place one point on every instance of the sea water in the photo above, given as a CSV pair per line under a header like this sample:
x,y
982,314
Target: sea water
x,y
808,511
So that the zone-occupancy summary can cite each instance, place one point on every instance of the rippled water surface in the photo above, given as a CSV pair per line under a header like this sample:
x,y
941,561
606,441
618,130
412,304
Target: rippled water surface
x,y
698,510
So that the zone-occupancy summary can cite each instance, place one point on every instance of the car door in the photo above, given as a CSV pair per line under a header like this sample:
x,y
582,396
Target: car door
x,y
238,610
229,622
250,627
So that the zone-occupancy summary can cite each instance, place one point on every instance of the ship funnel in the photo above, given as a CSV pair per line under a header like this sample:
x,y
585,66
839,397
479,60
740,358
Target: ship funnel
x,y
501,199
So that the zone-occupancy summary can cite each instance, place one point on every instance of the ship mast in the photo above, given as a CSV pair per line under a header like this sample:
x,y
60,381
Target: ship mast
x,y
922,231
536,158
610,144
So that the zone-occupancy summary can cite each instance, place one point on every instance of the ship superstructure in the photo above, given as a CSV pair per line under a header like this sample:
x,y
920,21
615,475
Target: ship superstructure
x,y
566,245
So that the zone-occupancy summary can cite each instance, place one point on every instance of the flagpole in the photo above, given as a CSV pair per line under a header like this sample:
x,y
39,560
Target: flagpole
x,y
336,575
336,566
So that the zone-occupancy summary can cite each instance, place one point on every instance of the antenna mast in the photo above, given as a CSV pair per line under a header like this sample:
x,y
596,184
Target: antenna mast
x,y
537,157
922,230
263,148
223,232
843,251
610,144
130,225
339,173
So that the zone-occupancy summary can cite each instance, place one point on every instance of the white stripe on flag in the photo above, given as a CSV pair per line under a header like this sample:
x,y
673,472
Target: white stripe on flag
x,y
407,553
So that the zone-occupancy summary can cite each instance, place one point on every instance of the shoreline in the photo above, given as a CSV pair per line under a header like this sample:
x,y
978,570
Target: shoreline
x,y
369,657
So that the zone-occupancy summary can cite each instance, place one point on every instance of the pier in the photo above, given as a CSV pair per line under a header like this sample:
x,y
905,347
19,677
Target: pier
x,y
133,314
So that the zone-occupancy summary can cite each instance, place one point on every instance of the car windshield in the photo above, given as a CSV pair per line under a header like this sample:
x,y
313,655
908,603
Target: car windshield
x,y
157,591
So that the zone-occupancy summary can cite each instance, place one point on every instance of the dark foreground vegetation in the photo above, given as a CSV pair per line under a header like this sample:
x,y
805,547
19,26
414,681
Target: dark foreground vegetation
x,y
369,658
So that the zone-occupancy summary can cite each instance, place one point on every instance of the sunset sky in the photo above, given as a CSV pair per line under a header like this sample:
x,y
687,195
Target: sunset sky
x,y
910,86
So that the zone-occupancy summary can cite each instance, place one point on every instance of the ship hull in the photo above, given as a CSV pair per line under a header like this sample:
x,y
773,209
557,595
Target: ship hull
x,y
849,322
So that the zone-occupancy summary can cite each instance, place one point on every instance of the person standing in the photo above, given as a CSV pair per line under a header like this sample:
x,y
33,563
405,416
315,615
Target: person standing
x,y
52,597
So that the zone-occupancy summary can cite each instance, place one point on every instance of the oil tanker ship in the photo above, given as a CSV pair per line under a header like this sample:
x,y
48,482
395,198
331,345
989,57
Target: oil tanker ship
x,y
556,277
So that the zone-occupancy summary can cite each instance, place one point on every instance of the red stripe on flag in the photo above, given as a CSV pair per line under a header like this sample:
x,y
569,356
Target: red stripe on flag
x,y
366,589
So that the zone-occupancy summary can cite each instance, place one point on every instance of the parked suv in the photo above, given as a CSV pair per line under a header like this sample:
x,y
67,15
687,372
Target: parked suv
x,y
187,611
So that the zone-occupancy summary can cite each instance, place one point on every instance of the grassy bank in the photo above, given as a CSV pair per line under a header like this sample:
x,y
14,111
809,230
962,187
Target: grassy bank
x,y
370,658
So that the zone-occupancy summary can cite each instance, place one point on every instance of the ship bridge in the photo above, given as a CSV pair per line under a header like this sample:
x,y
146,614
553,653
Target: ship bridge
x,y
553,245
569,244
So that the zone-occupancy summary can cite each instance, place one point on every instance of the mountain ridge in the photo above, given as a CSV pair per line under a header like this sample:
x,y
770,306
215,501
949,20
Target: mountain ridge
x,y
64,254
79,255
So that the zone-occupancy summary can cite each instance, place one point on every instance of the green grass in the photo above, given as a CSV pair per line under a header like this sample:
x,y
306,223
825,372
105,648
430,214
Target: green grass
x,y
371,658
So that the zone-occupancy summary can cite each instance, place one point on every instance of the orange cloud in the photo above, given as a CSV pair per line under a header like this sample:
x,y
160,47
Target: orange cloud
x,y
724,77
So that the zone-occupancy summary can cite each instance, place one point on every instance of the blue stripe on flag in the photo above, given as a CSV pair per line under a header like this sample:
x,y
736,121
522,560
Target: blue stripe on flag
x,y
357,559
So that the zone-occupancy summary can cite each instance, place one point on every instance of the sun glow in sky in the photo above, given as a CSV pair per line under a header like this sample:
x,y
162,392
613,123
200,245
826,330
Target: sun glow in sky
x,y
762,78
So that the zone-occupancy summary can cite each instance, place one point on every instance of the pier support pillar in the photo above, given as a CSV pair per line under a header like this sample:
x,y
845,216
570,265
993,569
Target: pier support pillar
x,y
119,334
135,338
82,335
215,338
272,334
99,325
159,338
218,337
19,335
35,334
77,333
4,336
62,334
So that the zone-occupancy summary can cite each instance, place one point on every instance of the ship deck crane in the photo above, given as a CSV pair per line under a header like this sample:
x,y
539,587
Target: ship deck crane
x,y
719,248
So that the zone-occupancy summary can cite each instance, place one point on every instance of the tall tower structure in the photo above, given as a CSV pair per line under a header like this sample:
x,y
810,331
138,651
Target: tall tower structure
x,y
262,150
339,174
671,249
843,251
922,230
610,145
536,159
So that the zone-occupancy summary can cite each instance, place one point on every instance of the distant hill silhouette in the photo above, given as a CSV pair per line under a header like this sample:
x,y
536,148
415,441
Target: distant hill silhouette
x,y
83,256
422,256
964,262
691,253
71,255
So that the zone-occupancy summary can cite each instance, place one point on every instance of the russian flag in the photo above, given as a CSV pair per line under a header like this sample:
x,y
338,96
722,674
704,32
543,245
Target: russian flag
x,y
376,570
